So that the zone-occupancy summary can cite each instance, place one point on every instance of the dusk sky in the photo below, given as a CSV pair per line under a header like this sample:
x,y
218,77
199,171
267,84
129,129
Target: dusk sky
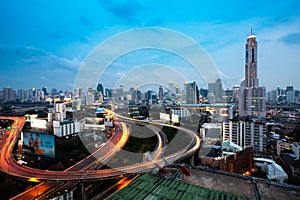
x,y
43,43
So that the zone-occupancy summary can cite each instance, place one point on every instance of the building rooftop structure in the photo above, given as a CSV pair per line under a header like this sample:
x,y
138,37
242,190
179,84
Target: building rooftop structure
x,y
230,146
273,170
242,186
154,187
205,183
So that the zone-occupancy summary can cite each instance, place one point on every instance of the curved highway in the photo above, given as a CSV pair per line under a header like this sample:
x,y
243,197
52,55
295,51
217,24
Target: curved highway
x,y
93,161
10,166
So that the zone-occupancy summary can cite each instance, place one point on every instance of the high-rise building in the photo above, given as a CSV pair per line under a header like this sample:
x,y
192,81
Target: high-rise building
x,y
252,98
245,134
139,94
90,97
216,89
172,87
236,90
203,92
192,93
290,94
272,97
78,93
108,93
160,93
45,90
100,89
54,92
9,94
23,95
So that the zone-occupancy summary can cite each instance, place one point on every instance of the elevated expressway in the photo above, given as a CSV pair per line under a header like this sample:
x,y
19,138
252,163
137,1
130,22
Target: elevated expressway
x,y
45,190
11,167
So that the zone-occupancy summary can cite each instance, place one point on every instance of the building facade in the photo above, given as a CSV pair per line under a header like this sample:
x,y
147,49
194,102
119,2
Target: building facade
x,y
191,93
245,134
252,97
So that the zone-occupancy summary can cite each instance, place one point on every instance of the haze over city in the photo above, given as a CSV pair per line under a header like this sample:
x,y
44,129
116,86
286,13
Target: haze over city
x,y
44,43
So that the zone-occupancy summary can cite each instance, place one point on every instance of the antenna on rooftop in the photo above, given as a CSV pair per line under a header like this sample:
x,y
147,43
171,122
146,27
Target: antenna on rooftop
x,y
251,33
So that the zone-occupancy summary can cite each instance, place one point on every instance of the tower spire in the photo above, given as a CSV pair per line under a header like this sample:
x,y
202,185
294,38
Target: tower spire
x,y
251,31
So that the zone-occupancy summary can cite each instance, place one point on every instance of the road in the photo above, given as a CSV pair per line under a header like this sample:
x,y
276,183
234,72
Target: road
x,y
10,166
47,189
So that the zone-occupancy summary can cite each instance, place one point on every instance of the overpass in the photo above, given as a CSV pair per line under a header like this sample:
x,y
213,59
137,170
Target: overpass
x,y
11,167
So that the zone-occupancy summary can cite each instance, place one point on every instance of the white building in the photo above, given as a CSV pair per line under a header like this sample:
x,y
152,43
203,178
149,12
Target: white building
x,y
61,129
245,134
182,112
59,114
272,169
211,132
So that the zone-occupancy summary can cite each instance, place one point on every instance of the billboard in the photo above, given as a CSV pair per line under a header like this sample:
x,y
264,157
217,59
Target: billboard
x,y
39,144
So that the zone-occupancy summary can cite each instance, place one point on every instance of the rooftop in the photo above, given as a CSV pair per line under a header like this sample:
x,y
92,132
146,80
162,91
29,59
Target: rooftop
x,y
242,186
154,187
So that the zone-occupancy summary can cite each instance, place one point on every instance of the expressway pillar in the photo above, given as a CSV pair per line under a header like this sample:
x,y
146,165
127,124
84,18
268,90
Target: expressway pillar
x,y
82,191
192,160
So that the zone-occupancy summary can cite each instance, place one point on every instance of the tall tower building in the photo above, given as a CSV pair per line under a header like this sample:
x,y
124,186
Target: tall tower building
x,y
251,79
252,97
100,89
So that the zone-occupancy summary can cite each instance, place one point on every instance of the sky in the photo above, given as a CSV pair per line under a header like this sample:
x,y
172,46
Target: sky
x,y
45,43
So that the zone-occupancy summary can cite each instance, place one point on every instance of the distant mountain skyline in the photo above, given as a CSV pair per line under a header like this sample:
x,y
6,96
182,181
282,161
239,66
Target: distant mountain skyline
x,y
44,43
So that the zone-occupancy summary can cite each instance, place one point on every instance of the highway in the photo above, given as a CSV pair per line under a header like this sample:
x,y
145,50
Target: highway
x,y
47,189
10,166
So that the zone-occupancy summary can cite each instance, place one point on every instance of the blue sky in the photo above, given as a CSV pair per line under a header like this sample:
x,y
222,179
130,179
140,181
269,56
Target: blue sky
x,y
43,43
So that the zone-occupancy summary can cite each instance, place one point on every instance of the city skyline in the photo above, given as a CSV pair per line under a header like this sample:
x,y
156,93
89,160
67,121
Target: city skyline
x,y
44,44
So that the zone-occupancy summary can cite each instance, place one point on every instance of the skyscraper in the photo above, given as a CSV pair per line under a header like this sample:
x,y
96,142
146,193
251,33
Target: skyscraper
x,y
9,94
216,90
252,98
160,93
290,94
172,87
100,88
191,93
251,79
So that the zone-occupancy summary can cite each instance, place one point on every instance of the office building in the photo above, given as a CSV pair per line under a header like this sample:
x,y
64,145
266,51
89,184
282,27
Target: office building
x,y
290,94
9,94
191,93
100,89
272,97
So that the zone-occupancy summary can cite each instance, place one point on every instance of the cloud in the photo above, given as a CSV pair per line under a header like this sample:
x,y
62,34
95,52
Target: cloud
x,y
126,11
33,67
293,38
